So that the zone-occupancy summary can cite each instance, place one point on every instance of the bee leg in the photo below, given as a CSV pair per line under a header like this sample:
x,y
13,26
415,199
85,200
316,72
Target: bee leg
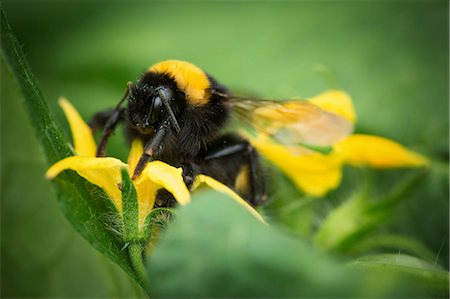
x,y
257,181
99,119
151,149
236,150
116,116
164,199
190,172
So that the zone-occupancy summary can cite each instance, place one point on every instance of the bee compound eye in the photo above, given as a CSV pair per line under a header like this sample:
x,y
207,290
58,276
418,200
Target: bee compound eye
x,y
157,103
165,92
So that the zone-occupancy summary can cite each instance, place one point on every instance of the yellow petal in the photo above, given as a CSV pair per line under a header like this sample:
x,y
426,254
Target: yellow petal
x,y
135,154
146,192
337,102
314,173
103,172
375,151
216,185
83,140
146,189
168,177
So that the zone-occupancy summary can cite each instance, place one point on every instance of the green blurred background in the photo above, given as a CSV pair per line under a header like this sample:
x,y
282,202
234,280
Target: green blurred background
x,y
391,57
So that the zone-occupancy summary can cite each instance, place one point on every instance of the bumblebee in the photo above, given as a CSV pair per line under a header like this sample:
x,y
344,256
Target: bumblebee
x,y
179,112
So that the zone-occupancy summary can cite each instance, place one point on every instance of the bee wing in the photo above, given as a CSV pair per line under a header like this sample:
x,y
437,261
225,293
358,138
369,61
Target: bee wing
x,y
293,122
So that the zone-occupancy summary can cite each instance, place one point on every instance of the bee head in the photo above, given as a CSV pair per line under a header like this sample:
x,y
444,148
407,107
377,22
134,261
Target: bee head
x,y
149,102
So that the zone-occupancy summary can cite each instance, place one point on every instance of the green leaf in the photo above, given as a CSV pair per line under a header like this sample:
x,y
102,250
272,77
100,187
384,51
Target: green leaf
x,y
424,278
48,133
216,249
85,205
288,206
396,242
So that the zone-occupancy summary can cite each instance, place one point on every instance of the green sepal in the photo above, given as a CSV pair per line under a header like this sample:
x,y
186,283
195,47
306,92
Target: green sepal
x,y
326,149
360,215
156,221
130,208
133,241
159,216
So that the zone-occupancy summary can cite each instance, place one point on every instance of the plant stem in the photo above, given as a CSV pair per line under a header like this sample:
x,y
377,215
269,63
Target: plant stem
x,y
135,252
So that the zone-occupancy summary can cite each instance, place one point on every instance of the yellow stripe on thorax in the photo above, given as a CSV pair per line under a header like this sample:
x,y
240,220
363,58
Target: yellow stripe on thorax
x,y
189,78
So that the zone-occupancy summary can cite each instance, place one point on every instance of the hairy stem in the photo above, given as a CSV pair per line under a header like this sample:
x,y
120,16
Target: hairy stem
x,y
135,252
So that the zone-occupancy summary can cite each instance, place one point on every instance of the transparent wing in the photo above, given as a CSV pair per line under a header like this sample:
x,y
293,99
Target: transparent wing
x,y
292,122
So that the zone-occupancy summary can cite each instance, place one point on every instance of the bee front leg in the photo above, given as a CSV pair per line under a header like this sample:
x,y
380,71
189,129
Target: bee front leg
x,y
190,172
115,117
99,119
151,149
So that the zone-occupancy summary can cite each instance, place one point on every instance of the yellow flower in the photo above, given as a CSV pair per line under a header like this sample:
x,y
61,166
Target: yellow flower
x,y
105,172
316,173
